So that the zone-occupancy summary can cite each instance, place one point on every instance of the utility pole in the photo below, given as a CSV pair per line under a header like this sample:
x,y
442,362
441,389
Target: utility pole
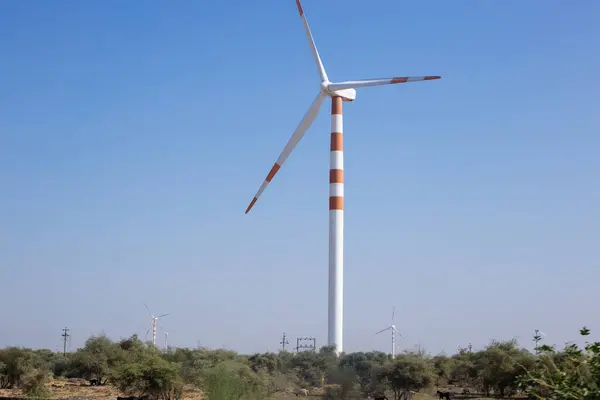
x,y
311,346
283,342
65,336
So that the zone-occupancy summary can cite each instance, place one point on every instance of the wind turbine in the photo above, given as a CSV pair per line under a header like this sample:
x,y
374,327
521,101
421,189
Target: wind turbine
x,y
338,92
154,320
538,335
393,329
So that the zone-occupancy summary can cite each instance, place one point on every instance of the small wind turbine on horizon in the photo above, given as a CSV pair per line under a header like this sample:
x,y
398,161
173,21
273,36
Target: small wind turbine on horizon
x,y
393,329
338,92
154,320
537,337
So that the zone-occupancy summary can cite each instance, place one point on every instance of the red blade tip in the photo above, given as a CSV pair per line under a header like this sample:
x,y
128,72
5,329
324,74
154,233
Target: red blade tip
x,y
251,205
299,7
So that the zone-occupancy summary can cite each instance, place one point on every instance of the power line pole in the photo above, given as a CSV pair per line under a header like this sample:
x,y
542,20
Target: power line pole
x,y
283,342
65,336
312,346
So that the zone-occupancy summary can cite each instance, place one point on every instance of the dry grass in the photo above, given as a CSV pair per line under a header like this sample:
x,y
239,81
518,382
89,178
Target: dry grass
x,y
80,388
314,394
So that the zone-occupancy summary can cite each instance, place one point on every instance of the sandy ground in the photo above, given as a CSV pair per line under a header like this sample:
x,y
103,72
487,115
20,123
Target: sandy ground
x,y
79,388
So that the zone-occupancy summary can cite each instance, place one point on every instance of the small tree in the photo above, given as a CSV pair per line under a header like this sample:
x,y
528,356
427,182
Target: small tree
x,y
343,382
443,369
16,363
152,376
97,358
232,381
409,372
34,384
362,367
574,374
499,366
310,367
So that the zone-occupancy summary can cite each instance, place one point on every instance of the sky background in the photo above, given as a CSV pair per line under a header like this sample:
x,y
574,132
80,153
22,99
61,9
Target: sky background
x,y
134,134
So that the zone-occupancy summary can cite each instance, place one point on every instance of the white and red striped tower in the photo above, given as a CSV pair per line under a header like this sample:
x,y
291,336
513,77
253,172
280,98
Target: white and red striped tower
x,y
154,330
339,92
336,227
154,320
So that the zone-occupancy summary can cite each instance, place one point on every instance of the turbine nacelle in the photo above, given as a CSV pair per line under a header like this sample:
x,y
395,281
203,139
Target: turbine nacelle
x,y
346,94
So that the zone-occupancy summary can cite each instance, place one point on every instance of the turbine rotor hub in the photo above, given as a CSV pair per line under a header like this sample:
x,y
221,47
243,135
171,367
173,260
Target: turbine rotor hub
x,y
345,94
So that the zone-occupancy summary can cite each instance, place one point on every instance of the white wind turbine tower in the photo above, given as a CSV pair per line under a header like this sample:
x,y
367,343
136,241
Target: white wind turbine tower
x,y
154,320
338,92
393,329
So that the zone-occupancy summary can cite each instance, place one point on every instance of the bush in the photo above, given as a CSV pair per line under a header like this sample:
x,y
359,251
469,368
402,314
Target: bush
x,y
573,373
34,384
140,369
152,376
232,381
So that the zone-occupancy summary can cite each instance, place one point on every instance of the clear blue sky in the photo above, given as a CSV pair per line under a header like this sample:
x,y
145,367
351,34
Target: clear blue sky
x,y
134,134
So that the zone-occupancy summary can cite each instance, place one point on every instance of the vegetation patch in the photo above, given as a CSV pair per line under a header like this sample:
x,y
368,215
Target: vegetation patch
x,y
106,369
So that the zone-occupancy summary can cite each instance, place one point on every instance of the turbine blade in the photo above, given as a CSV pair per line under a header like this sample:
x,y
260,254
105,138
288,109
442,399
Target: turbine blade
x,y
313,46
393,313
164,315
307,120
378,82
383,330
150,312
398,332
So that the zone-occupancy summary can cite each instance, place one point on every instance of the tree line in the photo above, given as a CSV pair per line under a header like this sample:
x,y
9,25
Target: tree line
x,y
140,369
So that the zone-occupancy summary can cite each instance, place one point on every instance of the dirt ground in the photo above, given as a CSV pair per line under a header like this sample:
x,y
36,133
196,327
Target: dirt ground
x,y
416,396
80,388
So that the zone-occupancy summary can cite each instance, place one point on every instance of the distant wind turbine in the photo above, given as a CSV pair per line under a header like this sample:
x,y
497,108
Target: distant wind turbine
x,y
537,337
393,329
154,320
